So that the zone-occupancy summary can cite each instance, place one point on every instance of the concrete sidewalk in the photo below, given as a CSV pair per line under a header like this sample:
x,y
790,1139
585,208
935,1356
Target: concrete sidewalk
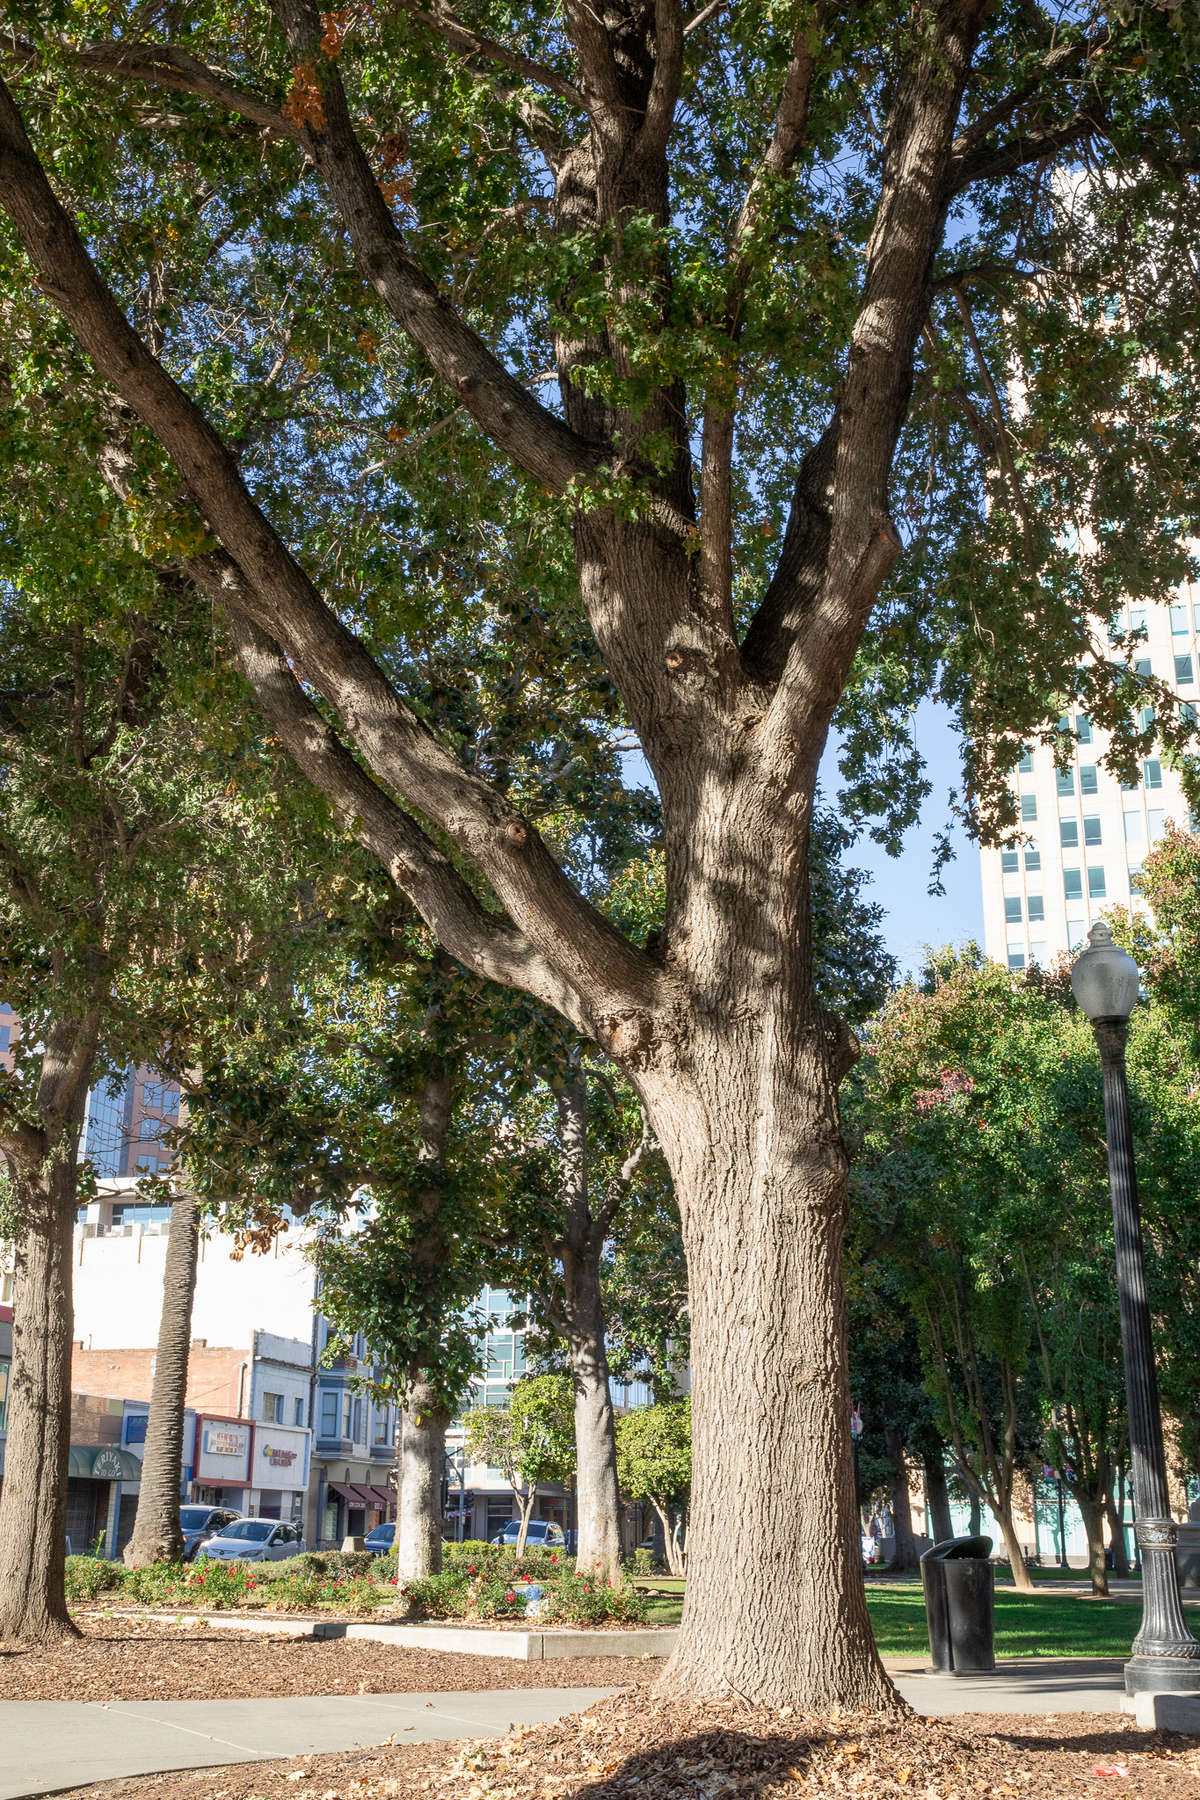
x,y
49,1745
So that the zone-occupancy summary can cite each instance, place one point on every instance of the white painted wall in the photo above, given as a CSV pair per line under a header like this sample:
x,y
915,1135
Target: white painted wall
x,y
118,1291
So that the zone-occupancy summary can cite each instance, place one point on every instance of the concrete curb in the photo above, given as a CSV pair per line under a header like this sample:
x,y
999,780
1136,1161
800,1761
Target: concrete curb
x,y
462,1640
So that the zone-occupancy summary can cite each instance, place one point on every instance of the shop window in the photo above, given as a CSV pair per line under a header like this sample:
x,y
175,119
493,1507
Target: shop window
x,y
271,1409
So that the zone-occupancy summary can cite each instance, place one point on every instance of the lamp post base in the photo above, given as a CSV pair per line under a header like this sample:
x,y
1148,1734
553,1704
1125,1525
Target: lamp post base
x,y
1158,1711
1162,1675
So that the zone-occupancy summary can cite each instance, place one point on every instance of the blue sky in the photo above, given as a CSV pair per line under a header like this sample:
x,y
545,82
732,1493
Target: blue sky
x,y
914,917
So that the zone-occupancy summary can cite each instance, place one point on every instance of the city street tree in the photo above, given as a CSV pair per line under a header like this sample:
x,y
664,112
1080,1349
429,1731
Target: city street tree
x,y
133,853
654,1462
809,244
531,1440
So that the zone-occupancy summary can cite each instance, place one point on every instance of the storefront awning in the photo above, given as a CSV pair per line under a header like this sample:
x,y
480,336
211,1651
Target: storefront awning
x,y
103,1462
379,1498
365,1494
345,1492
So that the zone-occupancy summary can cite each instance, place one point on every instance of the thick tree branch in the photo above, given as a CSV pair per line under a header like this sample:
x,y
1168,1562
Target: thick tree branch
x,y
840,541
1032,146
472,43
611,976
538,440
167,66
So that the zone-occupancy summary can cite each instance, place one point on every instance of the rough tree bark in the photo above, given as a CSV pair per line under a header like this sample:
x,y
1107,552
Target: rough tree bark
x,y
596,1493
718,1026
43,1165
906,1548
423,1422
156,1532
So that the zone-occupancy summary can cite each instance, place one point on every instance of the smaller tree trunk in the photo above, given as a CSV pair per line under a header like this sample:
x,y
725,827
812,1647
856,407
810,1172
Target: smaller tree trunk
x,y
1116,1531
1091,1509
938,1496
33,1499
526,1502
906,1548
975,1521
156,1533
419,1498
1012,1548
597,1496
672,1546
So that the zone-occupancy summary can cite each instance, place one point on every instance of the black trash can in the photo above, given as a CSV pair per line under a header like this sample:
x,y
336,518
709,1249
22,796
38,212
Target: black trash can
x,y
960,1584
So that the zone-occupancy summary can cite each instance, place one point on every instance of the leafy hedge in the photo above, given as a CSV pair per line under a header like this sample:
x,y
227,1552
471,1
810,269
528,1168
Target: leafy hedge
x,y
481,1582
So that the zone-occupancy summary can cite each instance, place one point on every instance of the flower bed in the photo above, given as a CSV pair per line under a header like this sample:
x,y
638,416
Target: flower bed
x,y
480,1583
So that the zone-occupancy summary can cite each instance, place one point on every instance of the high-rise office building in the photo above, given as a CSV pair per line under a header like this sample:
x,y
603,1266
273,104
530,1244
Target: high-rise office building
x,y
127,1118
1085,832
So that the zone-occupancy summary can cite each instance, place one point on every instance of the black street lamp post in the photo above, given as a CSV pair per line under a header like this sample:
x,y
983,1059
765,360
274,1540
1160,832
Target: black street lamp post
x,y
1166,1657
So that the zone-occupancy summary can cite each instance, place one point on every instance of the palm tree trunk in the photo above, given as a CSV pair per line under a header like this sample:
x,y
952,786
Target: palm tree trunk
x,y
156,1533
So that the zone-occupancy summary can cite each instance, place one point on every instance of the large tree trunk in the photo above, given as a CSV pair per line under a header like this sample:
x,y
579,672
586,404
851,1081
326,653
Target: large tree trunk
x,y
44,1171
760,1174
156,1533
597,1498
906,1548
423,1425
937,1494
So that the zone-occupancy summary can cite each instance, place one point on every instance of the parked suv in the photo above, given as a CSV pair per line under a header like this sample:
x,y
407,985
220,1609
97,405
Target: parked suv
x,y
381,1540
543,1534
199,1523
253,1540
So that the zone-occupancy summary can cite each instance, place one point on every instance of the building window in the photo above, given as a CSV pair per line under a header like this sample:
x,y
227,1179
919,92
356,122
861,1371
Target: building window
x,y
146,1165
1025,762
329,1412
1196,616
1028,807
1083,727
381,1424
1009,862
1095,884
1187,713
1142,667
1146,718
1091,831
347,1415
152,1129
1135,831
272,1409
1012,916
1087,779
152,1094
170,1101
1179,621
1016,959
1066,780
1072,884
1157,821
1075,933
300,1412
1033,861
1037,953
1152,773
1137,619
1184,675
1068,833
358,1431
3,1395
1036,910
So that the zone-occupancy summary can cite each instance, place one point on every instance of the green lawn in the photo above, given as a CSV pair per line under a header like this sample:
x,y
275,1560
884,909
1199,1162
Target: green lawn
x,y
1026,1624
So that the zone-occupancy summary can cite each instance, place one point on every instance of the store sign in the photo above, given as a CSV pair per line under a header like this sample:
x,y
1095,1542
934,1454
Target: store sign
x,y
280,1458
224,1454
107,1465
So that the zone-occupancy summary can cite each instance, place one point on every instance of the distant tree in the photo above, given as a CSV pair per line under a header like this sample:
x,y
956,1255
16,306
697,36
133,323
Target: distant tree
x,y
530,1441
654,1459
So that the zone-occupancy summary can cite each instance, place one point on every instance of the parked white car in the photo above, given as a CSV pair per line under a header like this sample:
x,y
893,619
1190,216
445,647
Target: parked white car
x,y
253,1540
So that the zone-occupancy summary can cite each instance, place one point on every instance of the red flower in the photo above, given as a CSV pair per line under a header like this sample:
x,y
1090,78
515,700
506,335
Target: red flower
x,y
471,1569
510,1596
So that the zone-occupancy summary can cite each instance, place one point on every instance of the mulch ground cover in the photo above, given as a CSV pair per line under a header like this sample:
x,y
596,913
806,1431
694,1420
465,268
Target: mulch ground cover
x,y
636,1745
147,1659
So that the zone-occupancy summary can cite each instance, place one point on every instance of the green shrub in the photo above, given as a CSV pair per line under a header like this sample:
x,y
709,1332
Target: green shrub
x,y
642,1560
87,1576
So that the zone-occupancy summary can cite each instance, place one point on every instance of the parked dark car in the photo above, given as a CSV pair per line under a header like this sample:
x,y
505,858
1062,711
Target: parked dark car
x,y
543,1534
199,1523
380,1541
